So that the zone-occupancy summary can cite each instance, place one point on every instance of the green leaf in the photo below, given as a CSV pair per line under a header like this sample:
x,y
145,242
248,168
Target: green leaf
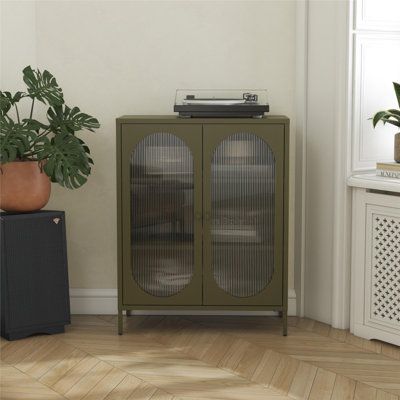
x,y
43,86
397,91
15,139
391,121
64,119
377,117
67,158
5,102
392,115
67,161
35,125
394,111
17,97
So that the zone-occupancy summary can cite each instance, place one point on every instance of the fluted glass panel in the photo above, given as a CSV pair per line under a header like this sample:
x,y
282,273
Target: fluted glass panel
x,y
162,214
243,214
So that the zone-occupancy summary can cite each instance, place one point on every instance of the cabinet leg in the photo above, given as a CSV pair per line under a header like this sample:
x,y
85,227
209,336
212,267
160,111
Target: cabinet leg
x,y
284,322
120,322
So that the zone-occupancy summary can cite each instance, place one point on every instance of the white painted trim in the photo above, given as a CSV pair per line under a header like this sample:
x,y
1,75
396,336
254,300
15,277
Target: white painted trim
x,y
360,42
372,181
363,23
94,301
342,201
302,10
105,301
357,260
370,333
292,303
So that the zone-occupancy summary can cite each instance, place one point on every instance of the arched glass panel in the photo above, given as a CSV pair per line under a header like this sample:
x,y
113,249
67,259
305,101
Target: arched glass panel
x,y
162,222
243,214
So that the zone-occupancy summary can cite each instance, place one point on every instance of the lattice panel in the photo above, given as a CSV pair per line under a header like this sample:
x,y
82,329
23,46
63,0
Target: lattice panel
x,y
385,278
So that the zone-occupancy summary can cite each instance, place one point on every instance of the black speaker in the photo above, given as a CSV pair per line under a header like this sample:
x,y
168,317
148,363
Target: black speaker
x,y
34,274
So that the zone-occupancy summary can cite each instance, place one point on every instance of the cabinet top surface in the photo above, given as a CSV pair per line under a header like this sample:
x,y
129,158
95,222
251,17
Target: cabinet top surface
x,y
372,181
143,119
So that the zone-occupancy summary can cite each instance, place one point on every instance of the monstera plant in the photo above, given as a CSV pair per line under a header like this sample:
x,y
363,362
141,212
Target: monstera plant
x,y
392,117
34,152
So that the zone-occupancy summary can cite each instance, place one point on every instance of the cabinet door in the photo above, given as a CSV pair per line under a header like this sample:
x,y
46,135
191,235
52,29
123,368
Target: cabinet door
x,y
243,214
161,214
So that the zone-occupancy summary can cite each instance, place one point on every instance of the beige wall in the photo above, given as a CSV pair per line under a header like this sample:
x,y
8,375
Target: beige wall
x,y
128,57
17,43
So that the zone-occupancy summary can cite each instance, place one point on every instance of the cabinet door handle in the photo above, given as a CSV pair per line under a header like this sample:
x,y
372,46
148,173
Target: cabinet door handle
x,y
198,215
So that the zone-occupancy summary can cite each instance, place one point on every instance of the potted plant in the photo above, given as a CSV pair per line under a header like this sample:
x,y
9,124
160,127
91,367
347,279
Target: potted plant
x,y
391,116
33,153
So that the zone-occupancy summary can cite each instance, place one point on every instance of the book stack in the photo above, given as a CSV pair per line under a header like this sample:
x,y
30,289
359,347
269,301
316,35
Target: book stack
x,y
388,170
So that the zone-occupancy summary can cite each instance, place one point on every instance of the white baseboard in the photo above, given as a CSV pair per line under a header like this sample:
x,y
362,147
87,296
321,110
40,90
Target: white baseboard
x,y
105,301
94,301
292,303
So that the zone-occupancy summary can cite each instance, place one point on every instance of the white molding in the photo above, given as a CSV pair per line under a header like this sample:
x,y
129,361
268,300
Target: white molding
x,y
105,301
292,303
94,301
361,42
340,309
302,10
362,22
370,333
357,259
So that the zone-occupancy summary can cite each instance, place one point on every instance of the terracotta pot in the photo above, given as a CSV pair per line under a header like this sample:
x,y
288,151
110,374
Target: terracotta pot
x,y
23,186
397,147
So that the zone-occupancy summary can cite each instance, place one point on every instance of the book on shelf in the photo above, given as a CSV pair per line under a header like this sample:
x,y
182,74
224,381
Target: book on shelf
x,y
388,166
388,169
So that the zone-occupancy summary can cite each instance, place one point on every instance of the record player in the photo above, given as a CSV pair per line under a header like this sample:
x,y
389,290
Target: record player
x,y
238,103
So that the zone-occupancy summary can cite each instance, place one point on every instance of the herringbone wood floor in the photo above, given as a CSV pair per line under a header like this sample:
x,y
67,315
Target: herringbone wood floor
x,y
199,358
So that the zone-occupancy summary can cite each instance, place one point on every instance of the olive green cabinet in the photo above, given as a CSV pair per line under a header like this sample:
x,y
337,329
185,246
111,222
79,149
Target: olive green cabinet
x,y
202,213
